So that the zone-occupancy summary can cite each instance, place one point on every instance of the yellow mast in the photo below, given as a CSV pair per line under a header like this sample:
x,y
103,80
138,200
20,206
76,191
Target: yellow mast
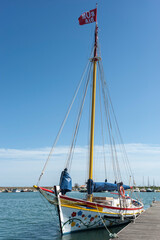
x,y
92,120
95,59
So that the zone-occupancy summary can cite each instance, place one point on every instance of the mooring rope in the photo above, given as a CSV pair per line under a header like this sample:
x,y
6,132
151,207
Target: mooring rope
x,y
111,235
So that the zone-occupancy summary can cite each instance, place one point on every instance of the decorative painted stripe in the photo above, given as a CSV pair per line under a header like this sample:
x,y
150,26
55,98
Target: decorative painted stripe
x,y
92,210
97,205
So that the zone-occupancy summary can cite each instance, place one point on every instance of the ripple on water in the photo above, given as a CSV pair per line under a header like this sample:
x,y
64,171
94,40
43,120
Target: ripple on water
x,y
28,216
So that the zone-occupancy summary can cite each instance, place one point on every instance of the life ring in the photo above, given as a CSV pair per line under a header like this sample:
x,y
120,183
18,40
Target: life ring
x,y
122,192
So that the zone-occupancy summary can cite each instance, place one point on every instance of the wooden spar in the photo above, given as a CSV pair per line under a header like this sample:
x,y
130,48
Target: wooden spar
x,y
93,109
44,189
92,122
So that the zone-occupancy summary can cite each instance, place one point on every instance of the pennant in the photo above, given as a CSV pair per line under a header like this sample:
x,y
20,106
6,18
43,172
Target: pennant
x,y
88,17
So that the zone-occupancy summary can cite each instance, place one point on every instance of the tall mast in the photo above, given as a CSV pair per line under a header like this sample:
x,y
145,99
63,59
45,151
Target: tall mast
x,y
94,60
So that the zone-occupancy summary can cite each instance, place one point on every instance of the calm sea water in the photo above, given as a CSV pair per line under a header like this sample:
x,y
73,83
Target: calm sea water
x,y
29,216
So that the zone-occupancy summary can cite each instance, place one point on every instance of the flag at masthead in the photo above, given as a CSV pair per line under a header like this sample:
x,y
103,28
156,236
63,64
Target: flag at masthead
x,y
88,17
85,18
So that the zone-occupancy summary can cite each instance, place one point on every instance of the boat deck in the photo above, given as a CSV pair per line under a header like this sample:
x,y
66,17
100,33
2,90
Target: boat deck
x,y
146,226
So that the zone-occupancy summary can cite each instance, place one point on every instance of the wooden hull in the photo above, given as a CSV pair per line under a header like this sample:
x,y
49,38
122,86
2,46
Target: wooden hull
x,y
73,219
77,215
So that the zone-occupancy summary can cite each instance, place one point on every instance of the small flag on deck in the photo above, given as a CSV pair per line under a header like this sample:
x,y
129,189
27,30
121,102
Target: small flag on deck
x,y
88,17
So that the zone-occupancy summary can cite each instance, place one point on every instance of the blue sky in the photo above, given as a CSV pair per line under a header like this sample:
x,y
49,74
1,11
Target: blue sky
x,y
43,54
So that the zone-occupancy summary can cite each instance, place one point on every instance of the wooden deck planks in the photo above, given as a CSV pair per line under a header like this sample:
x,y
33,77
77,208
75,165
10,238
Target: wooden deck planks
x,y
146,226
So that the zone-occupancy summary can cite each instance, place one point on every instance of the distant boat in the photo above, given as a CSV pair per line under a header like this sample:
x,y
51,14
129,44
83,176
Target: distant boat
x,y
24,190
5,191
83,190
16,190
76,214
154,190
142,190
149,190
136,190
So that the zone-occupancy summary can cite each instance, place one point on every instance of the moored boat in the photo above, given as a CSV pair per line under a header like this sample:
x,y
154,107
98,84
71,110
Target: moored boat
x,y
93,211
142,190
15,190
136,190
149,190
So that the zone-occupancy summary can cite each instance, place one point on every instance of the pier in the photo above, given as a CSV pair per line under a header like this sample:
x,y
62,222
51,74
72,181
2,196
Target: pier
x,y
146,226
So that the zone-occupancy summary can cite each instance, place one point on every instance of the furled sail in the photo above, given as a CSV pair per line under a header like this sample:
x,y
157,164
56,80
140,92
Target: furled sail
x,y
105,186
65,182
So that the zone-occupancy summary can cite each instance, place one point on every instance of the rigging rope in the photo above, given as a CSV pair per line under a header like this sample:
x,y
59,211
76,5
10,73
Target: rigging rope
x,y
102,127
117,130
62,125
69,161
109,112
126,162
106,105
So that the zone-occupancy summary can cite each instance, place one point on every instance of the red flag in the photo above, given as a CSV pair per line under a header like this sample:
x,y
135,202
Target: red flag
x,y
88,17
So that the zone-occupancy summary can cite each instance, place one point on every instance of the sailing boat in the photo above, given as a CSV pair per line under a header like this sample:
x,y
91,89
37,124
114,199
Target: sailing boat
x,y
149,189
76,214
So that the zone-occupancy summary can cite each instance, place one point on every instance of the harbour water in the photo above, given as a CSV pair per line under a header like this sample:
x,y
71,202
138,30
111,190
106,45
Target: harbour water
x,y
29,216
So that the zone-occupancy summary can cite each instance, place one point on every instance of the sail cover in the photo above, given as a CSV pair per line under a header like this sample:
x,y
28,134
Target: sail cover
x,y
105,186
65,182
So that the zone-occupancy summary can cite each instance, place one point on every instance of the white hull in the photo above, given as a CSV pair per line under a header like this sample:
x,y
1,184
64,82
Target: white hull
x,y
78,217
77,220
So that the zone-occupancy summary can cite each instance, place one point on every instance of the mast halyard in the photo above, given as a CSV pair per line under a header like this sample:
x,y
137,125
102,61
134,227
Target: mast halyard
x,y
94,60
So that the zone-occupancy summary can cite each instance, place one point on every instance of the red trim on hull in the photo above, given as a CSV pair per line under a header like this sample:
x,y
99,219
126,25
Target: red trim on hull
x,y
98,205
